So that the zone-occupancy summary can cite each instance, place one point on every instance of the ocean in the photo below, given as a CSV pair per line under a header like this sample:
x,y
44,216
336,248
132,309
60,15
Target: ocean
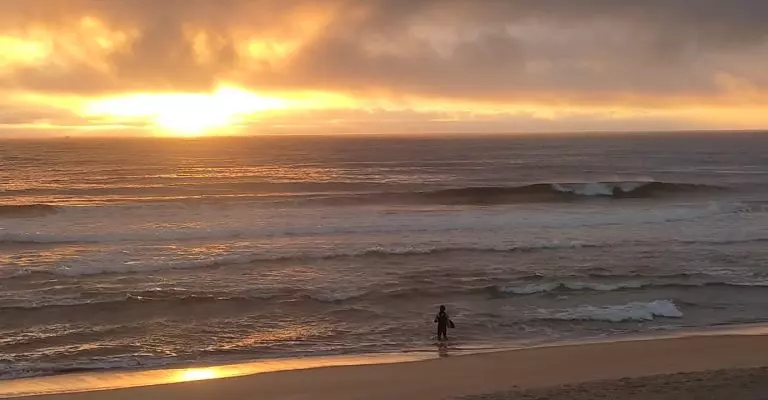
x,y
139,253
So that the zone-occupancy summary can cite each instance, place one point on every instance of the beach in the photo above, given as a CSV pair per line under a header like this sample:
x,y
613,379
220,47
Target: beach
x,y
388,199
727,363
740,384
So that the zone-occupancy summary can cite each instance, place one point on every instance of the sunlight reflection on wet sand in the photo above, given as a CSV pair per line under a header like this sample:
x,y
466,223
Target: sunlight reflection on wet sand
x,y
82,382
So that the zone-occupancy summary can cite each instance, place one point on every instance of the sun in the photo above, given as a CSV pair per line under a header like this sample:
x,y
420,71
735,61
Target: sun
x,y
186,114
193,121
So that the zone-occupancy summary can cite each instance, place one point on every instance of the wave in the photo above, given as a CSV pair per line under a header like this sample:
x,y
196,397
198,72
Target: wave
x,y
533,193
21,238
244,259
629,188
351,195
311,255
190,232
332,254
635,311
180,300
360,254
547,287
140,298
27,210
577,286
31,369
184,298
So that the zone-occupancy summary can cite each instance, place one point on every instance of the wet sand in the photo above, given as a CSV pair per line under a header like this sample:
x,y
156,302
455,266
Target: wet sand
x,y
526,369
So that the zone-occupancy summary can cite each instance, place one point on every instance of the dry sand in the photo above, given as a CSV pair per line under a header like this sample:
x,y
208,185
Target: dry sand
x,y
733,384
457,376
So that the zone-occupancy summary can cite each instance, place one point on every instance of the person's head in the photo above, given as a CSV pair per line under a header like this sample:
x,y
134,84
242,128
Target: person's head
x,y
442,308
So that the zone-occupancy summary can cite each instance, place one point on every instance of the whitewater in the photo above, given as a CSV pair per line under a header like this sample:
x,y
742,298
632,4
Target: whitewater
x,y
135,253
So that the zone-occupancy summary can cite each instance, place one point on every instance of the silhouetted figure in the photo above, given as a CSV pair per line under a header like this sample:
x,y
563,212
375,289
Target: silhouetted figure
x,y
442,321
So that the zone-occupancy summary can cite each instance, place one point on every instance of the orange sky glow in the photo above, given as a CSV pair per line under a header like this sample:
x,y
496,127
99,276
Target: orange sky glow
x,y
207,67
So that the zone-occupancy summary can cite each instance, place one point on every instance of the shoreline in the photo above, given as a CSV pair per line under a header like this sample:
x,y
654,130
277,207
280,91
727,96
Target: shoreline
x,y
101,384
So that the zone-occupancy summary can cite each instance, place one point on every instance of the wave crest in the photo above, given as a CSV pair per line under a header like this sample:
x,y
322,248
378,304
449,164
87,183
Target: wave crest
x,y
682,281
531,193
526,286
468,195
546,287
376,252
635,311
541,192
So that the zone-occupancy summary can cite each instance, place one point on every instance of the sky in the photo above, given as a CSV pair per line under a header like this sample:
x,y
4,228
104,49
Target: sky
x,y
210,67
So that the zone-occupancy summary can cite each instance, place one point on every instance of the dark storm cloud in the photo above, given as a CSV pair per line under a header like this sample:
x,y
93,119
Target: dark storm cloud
x,y
544,48
505,50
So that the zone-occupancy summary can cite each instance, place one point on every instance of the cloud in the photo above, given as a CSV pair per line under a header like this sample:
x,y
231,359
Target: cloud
x,y
494,48
648,54
543,49
15,114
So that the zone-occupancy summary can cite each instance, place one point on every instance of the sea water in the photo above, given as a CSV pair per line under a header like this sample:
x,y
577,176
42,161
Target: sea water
x,y
134,253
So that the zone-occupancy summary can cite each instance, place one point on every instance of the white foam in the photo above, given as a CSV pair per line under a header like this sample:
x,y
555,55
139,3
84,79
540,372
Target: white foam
x,y
32,369
597,188
605,287
338,295
533,288
635,311
104,267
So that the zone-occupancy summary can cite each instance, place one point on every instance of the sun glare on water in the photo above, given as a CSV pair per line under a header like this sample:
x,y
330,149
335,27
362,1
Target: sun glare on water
x,y
186,114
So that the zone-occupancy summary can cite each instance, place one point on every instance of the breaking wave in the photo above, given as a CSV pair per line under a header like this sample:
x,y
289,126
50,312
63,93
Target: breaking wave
x,y
682,281
539,192
470,195
635,311
534,288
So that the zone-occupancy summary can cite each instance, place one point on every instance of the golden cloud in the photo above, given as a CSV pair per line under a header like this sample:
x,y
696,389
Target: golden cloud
x,y
598,64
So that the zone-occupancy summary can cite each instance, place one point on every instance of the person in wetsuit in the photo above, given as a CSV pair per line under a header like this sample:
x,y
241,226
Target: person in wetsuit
x,y
442,320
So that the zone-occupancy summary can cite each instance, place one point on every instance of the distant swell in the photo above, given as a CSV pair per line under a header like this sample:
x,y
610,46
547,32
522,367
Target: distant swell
x,y
27,210
258,257
372,253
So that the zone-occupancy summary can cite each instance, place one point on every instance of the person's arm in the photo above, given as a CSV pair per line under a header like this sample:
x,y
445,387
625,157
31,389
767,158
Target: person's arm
x,y
436,316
